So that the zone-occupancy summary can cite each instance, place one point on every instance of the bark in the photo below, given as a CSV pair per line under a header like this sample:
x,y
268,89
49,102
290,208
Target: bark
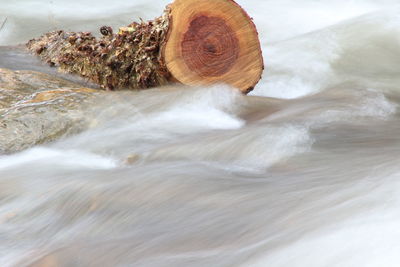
x,y
128,59
194,42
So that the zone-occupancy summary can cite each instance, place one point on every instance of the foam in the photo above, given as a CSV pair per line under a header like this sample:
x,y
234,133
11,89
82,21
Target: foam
x,y
54,157
253,147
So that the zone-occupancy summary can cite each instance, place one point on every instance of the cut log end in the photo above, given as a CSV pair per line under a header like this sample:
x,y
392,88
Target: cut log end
x,y
212,41
194,42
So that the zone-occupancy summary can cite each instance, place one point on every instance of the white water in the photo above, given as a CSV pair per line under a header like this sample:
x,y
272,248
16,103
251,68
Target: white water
x,y
308,178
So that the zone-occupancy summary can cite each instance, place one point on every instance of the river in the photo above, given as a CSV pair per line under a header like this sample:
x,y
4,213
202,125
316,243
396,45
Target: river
x,y
303,172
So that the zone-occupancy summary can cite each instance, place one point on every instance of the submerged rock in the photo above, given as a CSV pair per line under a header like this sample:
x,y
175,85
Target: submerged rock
x,y
36,108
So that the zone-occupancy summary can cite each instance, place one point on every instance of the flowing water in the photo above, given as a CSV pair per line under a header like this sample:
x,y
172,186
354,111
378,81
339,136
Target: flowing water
x,y
304,172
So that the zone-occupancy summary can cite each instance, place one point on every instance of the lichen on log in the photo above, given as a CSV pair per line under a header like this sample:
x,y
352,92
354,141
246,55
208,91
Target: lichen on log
x,y
130,58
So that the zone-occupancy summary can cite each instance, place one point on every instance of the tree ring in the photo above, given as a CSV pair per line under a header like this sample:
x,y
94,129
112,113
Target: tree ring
x,y
209,46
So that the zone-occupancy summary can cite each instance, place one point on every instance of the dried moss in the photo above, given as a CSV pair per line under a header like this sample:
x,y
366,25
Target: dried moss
x,y
130,58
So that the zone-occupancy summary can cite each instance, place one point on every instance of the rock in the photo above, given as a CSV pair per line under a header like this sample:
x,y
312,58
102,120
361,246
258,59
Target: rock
x,y
36,108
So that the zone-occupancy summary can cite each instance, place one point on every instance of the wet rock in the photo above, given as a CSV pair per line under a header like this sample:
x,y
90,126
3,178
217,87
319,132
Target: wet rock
x,y
36,108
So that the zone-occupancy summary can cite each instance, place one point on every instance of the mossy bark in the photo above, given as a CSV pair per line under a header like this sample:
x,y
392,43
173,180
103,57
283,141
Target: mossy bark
x,y
130,58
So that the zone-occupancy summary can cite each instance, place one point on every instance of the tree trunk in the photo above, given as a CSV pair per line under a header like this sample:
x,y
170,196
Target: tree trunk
x,y
195,42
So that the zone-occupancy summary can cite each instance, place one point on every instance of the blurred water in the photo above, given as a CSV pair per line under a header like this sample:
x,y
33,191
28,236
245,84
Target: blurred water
x,y
208,177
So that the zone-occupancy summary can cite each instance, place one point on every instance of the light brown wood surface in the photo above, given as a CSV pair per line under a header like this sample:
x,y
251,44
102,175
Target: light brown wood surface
x,y
223,41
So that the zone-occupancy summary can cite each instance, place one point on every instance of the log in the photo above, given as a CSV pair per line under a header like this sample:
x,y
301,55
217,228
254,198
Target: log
x,y
195,42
